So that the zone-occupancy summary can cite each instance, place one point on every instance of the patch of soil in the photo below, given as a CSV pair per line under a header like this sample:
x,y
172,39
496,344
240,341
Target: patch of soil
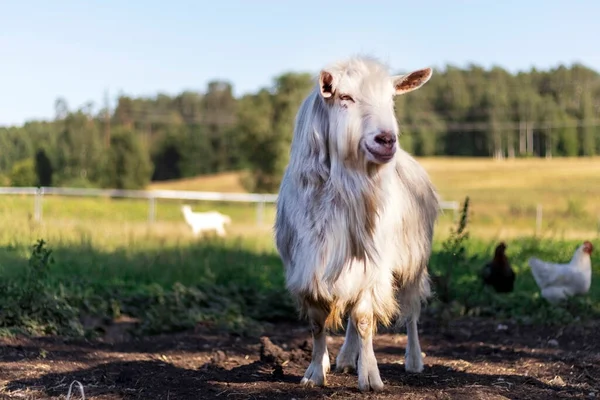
x,y
469,359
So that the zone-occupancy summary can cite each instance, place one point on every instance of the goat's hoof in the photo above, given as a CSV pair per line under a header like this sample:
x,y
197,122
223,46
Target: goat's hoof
x,y
313,381
346,361
345,369
413,365
370,382
368,376
315,375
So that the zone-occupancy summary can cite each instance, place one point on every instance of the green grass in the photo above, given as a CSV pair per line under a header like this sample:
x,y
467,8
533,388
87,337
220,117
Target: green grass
x,y
170,283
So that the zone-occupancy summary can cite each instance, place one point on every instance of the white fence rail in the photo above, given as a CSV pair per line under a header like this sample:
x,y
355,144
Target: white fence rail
x,y
153,195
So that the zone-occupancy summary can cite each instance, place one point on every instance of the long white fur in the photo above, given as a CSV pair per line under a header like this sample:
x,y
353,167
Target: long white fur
x,y
336,261
205,221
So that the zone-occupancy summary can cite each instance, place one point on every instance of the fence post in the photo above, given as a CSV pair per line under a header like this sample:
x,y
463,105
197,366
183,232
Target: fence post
x,y
538,219
260,211
151,209
37,204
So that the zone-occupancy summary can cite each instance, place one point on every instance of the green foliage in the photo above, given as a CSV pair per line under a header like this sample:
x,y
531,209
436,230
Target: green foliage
x,y
79,182
452,256
194,146
233,291
43,168
127,164
237,285
31,305
23,174
78,149
463,112
469,297
167,158
266,125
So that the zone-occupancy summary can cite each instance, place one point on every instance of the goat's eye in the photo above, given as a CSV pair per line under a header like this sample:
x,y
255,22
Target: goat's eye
x,y
346,97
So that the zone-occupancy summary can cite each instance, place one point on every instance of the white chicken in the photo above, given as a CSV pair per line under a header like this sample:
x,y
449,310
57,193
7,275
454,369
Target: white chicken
x,y
560,281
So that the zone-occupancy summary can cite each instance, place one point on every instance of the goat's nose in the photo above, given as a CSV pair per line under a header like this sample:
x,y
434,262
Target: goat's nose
x,y
386,139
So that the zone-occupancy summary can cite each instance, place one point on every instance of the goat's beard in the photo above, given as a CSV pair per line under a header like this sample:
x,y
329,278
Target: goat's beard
x,y
356,190
345,144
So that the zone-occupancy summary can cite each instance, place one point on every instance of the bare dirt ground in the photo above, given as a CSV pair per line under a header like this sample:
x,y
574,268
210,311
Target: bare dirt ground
x,y
470,359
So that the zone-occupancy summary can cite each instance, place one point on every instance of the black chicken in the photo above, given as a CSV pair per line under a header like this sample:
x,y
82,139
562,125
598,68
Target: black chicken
x,y
498,272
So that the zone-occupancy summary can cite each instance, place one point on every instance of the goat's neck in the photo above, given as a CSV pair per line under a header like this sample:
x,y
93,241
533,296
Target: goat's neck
x,y
359,198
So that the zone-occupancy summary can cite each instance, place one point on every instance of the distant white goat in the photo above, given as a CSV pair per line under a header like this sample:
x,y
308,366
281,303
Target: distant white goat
x,y
205,221
355,217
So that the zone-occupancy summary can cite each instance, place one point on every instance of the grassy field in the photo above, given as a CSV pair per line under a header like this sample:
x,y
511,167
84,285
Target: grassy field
x,y
505,194
109,261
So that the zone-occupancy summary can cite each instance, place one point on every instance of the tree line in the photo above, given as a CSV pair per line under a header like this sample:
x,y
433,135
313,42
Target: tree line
x,y
460,112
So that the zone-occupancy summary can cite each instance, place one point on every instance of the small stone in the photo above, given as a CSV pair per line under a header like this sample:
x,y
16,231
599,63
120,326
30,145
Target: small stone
x,y
501,327
553,343
557,381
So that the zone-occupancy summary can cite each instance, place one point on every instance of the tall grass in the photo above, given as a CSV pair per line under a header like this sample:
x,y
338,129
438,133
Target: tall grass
x,y
168,280
505,194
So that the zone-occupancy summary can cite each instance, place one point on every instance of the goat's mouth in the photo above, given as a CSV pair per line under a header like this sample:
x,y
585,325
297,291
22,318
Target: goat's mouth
x,y
381,154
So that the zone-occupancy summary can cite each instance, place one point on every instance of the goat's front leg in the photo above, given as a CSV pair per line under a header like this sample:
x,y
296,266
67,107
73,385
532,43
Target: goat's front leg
x,y
368,371
413,359
348,355
316,373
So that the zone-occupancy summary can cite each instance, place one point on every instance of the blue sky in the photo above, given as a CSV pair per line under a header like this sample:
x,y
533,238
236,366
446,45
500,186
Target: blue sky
x,y
77,49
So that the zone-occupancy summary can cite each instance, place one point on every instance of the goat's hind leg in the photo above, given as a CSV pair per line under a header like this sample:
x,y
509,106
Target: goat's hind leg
x,y
348,355
410,300
413,359
316,373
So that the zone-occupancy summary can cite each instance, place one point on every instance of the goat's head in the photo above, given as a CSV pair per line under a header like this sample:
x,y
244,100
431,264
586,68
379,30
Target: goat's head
x,y
359,98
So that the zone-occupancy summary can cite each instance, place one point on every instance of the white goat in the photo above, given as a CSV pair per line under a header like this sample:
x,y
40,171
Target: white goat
x,y
355,217
205,221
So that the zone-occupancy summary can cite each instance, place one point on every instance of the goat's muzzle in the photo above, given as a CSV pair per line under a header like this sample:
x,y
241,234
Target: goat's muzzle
x,y
383,146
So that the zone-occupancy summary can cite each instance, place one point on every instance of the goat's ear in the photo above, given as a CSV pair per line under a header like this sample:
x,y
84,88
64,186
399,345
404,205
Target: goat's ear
x,y
326,84
412,81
